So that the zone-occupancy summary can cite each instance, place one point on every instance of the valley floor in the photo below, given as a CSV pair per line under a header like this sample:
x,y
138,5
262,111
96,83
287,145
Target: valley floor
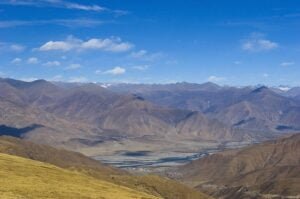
x,y
153,155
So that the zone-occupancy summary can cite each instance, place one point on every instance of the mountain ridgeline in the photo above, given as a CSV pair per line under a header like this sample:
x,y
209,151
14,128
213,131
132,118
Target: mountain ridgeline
x,y
78,115
254,109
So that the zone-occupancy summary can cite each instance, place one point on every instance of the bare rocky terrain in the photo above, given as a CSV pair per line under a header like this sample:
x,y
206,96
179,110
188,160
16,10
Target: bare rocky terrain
x,y
267,170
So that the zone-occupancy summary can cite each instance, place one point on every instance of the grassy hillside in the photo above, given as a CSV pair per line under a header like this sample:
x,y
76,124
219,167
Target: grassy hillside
x,y
24,178
76,162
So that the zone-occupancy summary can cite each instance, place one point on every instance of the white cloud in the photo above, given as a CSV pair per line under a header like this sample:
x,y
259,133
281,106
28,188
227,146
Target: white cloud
x,y
115,71
32,60
109,44
56,45
52,63
73,67
113,44
78,79
17,47
214,78
16,60
287,63
69,44
141,67
82,7
257,43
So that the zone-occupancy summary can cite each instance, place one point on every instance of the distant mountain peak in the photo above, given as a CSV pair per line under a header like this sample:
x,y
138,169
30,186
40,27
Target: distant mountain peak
x,y
260,89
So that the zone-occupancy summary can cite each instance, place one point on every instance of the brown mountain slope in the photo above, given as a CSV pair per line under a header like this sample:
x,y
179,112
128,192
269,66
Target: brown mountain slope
x,y
38,92
153,185
269,168
262,110
133,116
48,128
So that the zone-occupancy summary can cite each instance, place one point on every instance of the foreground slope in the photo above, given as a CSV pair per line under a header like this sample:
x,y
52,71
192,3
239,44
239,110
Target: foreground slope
x,y
24,178
269,168
153,185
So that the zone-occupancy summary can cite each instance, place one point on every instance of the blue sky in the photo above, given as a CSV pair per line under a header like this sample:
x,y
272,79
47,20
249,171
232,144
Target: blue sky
x,y
228,42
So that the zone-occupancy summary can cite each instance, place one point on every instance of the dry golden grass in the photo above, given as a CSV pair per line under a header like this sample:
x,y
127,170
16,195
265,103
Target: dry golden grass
x,y
22,178
153,185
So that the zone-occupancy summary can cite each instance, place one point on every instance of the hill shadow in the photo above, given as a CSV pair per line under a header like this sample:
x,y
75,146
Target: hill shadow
x,y
17,132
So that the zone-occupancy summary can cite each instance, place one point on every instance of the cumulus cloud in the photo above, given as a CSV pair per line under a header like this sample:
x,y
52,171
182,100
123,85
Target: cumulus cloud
x,y
52,63
32,60
115,71
69,44
257,43
287,63
16,60
214,78
113,44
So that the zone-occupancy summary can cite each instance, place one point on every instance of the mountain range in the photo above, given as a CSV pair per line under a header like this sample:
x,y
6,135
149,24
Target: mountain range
x,y
51,114
254,109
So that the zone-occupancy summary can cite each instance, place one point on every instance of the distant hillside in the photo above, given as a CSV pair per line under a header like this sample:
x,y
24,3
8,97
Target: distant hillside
x,y
270,168
153,185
